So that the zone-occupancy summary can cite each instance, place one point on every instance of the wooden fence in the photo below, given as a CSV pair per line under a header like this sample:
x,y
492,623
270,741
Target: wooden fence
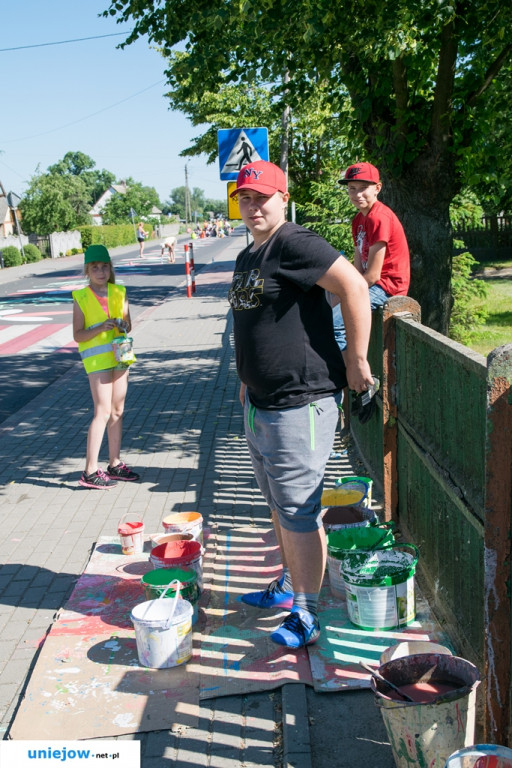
x,y
441,447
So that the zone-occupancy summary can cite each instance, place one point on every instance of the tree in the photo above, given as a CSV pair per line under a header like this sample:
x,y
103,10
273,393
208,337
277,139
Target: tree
x,y
81,165
177,202
54,203
419,79
137,197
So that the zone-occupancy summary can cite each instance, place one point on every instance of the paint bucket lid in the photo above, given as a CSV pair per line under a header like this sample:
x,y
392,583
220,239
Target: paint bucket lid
x,y
175,550
410,648
380,567
162,577
481,756
339,543
350,494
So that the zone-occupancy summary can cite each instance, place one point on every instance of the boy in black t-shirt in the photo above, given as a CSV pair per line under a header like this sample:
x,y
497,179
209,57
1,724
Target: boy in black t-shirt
x,y
292,376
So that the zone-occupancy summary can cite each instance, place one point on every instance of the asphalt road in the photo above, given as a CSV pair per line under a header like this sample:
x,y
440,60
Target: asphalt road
x,y
36,346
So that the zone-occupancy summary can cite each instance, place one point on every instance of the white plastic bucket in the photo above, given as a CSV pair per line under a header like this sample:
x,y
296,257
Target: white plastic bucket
x,y
427,734
131,535
179,554
163,631
481,756
184,522
379,586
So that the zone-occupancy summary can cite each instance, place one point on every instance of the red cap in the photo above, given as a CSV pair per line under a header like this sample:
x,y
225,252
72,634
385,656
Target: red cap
x,y
361,172
261,176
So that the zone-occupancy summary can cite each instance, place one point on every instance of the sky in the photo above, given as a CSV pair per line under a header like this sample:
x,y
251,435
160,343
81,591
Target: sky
x,y
89,97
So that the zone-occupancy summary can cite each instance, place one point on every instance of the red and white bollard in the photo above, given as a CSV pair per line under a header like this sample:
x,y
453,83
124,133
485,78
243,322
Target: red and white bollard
x,y
187,272
192,267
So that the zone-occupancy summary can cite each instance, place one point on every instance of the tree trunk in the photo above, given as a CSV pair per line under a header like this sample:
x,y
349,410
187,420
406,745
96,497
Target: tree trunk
x,y
421,200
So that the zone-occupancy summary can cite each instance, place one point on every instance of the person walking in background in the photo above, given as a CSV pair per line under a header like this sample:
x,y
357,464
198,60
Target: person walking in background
x,y
381,253
169,244
141,236
292,376
100,313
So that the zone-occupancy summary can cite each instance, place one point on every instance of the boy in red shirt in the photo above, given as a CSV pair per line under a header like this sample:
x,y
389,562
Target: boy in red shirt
x,y
381,253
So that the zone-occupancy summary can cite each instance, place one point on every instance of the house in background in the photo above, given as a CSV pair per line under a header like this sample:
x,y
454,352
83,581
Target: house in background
x,y
114,189
7,221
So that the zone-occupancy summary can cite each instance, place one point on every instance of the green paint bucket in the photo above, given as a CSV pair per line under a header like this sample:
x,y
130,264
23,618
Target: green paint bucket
x,y
379,586
367,501
341,542
157,581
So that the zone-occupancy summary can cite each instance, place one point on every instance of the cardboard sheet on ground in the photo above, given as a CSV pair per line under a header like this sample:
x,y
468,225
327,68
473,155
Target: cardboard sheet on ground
x,y
237,655
87,682
335,656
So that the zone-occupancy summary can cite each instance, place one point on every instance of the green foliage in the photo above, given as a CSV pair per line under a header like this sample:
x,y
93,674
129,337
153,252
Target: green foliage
x,y
137,197
110,235
329,212
420,89
466,211
469,296
81,165
54,203
11,256
32,253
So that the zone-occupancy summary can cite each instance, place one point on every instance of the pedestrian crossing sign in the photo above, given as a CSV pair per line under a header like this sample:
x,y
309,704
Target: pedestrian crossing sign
x,y
238,147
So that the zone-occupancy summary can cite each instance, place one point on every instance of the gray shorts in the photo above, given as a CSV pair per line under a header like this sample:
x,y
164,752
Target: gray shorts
x,y
289,450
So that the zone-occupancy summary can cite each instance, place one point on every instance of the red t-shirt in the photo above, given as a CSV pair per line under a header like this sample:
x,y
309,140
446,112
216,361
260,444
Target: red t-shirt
x,y
381,225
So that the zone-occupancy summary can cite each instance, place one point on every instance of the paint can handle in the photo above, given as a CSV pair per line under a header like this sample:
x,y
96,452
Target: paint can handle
x,y
139,518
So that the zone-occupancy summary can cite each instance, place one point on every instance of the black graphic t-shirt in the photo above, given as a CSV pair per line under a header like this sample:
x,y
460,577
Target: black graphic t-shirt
x,y
286,353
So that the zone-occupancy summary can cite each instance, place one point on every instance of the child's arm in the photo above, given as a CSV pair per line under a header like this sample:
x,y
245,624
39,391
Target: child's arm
x,y
80,334
127,322
376,254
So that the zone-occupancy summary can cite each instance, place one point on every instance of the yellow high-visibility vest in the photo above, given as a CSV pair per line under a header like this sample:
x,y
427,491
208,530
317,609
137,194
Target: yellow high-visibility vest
x,y
97,353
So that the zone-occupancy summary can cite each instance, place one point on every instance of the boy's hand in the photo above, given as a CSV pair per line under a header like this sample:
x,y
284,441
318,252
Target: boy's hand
x,y
363,403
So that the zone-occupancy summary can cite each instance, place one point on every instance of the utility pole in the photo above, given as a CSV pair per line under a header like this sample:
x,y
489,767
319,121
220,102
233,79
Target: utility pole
x,y
188,208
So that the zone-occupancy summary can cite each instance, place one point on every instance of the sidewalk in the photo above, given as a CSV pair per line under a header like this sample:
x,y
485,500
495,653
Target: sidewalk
x,y
183,432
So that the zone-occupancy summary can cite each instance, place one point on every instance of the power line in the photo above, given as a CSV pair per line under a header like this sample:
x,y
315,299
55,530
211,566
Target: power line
x,y
63,42
86,117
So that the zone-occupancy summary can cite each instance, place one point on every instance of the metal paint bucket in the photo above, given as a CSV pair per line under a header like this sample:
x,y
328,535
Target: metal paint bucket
x,y
481,756
428,733
379,586
341,542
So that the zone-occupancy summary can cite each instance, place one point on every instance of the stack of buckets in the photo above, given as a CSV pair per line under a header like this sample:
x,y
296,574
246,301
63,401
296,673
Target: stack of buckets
x,y
163,627
366,567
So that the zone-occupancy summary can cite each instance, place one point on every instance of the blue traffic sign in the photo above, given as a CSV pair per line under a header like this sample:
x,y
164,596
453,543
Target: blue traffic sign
x,y
238,147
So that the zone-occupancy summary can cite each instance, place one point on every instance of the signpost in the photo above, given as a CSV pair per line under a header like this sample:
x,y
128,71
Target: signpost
x,y
238,147
13,200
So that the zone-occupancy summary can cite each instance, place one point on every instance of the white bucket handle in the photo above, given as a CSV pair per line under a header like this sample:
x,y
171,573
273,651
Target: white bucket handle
x,y
174,602
140,519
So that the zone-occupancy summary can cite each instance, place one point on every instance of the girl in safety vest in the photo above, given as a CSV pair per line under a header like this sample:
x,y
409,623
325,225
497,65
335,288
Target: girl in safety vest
x,y
100,313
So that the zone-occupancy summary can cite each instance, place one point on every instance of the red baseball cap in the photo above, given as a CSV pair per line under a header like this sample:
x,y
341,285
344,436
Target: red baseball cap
x,y
261,176
361,172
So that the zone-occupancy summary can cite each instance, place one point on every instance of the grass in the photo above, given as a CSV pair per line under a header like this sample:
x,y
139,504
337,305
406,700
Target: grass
x,y
497,330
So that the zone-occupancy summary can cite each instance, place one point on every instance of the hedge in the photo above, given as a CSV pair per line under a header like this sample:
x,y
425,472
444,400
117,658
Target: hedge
x,y
110,235
11,256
